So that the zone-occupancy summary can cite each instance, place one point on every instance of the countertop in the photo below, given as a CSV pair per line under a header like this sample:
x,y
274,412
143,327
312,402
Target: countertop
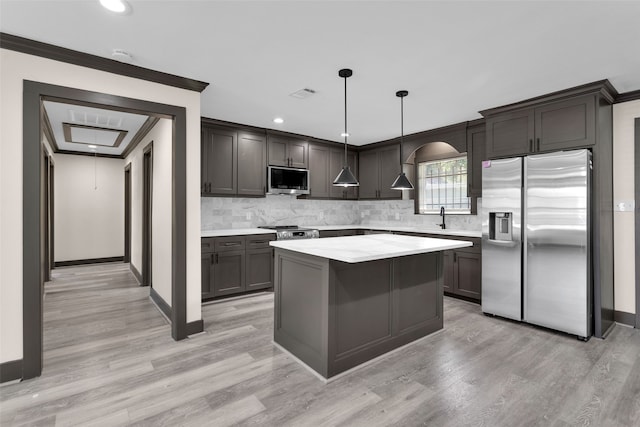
x,y
235,232
247,231
353,249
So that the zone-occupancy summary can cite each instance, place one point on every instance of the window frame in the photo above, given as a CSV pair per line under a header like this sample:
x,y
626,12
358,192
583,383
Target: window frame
x,y
450,211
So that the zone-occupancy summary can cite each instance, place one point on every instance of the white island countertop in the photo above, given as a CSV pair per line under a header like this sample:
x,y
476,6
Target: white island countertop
x,y
372,247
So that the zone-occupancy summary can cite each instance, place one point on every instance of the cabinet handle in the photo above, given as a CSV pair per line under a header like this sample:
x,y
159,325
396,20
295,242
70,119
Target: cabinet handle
x,y
537,144
231,244
455,257
213,258
531,145
216,258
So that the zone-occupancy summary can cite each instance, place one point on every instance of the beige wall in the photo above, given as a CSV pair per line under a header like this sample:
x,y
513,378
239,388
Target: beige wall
x,y
625,258
160,222
16,67
89,207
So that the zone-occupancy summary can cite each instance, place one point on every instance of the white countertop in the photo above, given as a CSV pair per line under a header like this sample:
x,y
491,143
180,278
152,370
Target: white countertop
x,y
247,231
235,232
371,247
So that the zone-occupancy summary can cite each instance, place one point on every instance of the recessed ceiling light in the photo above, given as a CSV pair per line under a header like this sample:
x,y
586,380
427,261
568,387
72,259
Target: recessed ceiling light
x,y
93,146
116,6
343,134
278,120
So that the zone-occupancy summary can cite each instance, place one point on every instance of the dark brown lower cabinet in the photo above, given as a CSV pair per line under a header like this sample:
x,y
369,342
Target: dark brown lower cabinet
x,y
232,265
462,272
462,267
228,272
259,269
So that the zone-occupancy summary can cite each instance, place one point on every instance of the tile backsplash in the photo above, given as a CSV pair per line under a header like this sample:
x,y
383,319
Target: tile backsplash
x,y
231,212
228,212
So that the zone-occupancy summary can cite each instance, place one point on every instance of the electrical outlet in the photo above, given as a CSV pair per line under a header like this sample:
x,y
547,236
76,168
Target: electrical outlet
x,y
624,206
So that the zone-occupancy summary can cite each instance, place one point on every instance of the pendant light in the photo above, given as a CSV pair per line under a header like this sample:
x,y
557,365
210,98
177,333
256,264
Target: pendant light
x,y
402,182
345,178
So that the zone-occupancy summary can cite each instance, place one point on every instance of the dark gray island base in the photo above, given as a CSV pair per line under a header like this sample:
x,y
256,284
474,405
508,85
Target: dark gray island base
x,y
335,315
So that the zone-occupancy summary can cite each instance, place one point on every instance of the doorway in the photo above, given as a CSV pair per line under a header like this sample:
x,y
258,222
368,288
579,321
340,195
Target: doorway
x,y
127,214
147,209
34,208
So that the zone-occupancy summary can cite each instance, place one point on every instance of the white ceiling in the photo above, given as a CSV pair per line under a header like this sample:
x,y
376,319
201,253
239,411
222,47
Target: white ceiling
x,y
60,113
455,58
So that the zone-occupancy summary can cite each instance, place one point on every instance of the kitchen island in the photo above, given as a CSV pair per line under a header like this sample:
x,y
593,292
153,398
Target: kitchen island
x,y
342,301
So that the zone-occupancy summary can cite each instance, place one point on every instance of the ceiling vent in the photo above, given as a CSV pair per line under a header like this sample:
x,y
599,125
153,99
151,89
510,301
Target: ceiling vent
x,y
303,93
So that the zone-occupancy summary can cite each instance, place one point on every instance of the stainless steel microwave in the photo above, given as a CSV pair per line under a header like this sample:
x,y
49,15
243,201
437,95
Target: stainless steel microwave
x,y
281,180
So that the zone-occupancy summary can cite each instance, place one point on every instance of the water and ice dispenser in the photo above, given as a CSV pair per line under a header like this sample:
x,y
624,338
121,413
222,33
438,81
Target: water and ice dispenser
x,y
501,226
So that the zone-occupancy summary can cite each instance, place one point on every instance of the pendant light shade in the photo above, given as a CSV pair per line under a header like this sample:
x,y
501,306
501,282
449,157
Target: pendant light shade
x,y
402,182
345,178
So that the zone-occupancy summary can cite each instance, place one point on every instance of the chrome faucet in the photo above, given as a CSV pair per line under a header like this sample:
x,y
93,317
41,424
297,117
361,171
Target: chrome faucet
x,y
442,224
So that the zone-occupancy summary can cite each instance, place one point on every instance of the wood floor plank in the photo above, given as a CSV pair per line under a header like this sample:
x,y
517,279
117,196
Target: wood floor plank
x,y
110,360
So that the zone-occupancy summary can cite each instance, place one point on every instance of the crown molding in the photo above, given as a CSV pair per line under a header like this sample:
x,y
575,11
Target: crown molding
x,y
57,53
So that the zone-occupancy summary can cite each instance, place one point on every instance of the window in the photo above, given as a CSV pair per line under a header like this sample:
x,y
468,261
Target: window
x,y
443,183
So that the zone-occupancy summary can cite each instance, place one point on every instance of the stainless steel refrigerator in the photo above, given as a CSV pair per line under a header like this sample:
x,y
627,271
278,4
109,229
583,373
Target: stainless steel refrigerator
x,y
536,243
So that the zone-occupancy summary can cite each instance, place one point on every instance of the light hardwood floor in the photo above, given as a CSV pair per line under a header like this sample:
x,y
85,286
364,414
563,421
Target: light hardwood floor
x,y
109,360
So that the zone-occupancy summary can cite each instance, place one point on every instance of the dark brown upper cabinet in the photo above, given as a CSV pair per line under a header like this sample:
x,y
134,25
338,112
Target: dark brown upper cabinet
x,y
233,162
336,162
549,126
252,169
378,168
288,152
476,152
219,148
325,163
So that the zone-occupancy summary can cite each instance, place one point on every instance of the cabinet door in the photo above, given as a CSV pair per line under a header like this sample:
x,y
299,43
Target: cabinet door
x,y
252,171
259,269
448,276
467,274
206,264
476,150
389,168
297,153
228,272
319,182
368,174
222,146
204,155
566,124
351,193
277,148
336,161
510,134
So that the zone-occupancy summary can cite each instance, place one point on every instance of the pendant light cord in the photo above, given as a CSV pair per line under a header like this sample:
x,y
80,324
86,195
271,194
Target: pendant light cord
x,y
345,122
401,119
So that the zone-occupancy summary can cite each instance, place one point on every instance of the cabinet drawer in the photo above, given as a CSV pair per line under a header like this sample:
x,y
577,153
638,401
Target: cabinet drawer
x,y
259,241
207,244
229,243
